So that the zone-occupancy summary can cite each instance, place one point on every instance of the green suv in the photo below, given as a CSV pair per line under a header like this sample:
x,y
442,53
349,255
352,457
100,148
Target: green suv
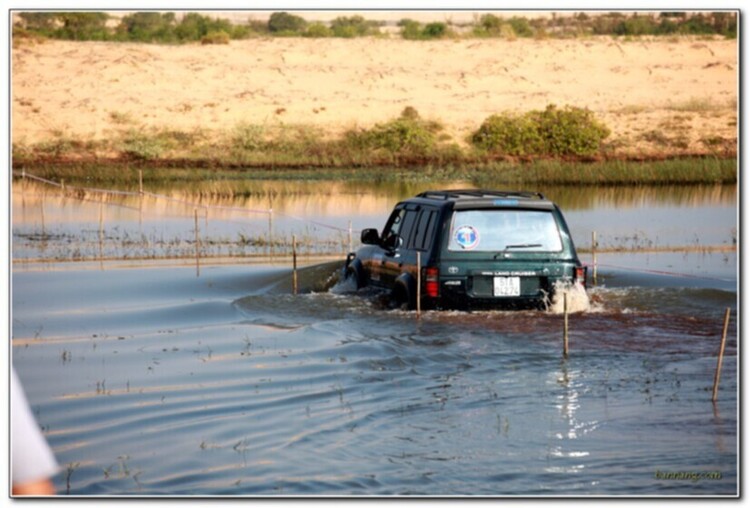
x,y
469,249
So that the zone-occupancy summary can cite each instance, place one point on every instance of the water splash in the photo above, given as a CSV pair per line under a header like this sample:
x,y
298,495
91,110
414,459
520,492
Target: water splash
x,y
343,285
578,299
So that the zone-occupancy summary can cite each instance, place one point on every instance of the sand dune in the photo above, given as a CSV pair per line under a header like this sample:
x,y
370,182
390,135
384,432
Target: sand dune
x,y
686,88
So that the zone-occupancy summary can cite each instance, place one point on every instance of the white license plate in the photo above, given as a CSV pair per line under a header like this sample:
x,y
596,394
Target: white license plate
x,y
507,286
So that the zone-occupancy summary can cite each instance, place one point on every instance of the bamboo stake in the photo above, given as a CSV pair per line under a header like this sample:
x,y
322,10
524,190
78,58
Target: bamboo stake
x,y
593,252
350,236
197,246
419,284
140,182
270,229
294,264
565,325
717,375
101,234
44,233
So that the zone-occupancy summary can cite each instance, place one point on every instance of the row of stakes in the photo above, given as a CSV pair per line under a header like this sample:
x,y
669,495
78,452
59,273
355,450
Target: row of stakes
x,y
566,335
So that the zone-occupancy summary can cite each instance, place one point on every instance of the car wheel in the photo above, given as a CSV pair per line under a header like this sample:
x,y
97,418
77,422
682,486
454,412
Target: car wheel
x,y
398,299
352,278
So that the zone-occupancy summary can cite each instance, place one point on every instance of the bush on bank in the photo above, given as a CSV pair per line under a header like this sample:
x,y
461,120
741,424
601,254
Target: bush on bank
x,y
551,132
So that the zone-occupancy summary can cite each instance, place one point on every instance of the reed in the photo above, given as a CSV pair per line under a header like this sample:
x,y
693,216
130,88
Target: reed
x,y
238,181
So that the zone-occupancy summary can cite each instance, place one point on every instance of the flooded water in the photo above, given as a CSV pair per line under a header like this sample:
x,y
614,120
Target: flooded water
x,y
151,380
158,382
326,217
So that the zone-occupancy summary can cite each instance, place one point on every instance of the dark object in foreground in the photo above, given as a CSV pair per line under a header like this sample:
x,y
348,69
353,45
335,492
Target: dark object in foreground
x,y
478,249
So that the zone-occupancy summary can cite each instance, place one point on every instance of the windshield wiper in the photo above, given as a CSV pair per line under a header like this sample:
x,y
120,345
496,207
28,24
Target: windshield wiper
x,y
523,246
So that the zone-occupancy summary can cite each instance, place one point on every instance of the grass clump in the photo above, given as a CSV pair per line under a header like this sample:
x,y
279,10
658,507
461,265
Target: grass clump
x,y
318,29
218,37
141,146
552,132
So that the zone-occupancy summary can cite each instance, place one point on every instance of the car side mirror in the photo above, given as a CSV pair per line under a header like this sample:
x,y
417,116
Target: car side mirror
x,y
370,237
393,242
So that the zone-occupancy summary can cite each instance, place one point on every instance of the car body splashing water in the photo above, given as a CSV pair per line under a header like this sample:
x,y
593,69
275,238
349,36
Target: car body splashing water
x,y
153,381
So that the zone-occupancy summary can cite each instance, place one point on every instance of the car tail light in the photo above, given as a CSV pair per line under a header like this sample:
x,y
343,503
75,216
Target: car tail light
x,y
431,282
581,275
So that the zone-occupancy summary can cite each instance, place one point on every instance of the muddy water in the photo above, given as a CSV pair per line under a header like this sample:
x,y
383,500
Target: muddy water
x,y
152,381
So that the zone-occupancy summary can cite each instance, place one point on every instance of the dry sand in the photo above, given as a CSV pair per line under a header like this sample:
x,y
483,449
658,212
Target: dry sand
x,y
684,88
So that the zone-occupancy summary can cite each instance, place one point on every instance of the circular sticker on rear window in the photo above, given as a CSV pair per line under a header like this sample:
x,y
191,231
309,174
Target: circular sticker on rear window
x,y
467,237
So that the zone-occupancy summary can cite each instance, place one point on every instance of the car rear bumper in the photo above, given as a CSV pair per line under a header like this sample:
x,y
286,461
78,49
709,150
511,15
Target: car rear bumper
x,y
475,293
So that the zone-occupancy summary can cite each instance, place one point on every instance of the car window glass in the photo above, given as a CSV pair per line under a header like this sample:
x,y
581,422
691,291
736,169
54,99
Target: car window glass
x,y
430,232
504,230
409,219
393,226
425,226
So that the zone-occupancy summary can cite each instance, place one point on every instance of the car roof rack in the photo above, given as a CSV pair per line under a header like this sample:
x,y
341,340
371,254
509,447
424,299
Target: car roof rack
x,y
478,194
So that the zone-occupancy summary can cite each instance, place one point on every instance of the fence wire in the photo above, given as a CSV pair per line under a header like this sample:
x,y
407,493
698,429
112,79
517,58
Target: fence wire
x,y
267,243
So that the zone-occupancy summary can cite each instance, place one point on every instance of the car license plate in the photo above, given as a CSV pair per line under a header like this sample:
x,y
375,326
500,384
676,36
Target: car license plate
x,y
507,286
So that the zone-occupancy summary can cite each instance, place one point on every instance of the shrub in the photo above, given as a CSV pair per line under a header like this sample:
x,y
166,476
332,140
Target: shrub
x,y
509,134
490,24
636,25
84,26
140,146
318,29
194,27
410,29
220,37
435,30
353,26
570,131
558,132
415,31
147,27
521,26
249,137
406,135
283,22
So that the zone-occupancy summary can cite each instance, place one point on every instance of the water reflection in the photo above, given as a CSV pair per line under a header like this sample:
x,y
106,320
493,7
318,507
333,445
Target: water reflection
x,y
571,429
255,216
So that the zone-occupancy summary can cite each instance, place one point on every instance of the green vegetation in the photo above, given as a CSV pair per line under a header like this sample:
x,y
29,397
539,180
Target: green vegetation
x,y
567,133
354,26
166,28
414,30
493,26
680,171
405,136
552,132
220,37
283,23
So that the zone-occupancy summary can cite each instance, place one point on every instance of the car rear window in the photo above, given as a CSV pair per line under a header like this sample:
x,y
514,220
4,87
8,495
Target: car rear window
x,y
504,230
